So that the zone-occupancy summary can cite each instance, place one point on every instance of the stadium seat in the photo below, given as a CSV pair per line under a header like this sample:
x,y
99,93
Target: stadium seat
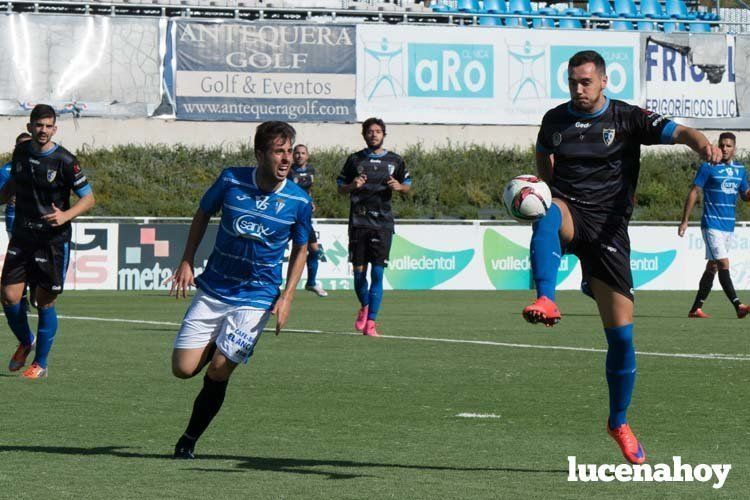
x,y
518,7
468,6
545,22
442,7
572,19
600,8
495,6
651,9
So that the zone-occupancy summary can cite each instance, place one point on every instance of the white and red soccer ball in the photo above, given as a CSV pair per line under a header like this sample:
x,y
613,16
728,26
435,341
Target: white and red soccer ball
x,y
527,198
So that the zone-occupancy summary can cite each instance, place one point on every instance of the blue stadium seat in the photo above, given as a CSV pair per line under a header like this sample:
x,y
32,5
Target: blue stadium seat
x,y
440,7
651,9
699,28
572,19
468,6
518,7
495,7
600,8
622,26
545,22
626,8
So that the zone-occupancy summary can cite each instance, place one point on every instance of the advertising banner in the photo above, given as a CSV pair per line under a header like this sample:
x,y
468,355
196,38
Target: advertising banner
x,y
93,256
82,65
255,72
420,74
676,88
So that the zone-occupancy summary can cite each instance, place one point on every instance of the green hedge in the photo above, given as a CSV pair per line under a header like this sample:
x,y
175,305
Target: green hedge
x,y
453,181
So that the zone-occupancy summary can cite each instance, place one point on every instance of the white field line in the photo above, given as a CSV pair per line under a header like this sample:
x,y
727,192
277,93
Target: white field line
x,y
724,357
477,415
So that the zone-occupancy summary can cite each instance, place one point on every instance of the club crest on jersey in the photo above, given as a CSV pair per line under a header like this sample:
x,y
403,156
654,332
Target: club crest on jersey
x,y
279,205
608,134
556,139
261,202
391,168
51,174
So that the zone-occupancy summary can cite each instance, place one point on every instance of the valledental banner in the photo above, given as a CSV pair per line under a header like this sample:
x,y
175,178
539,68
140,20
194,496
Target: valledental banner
x,y
263,71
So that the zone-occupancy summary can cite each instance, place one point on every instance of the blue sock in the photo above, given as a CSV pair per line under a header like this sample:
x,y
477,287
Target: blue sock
x,y
546,252
361,287
620,372
376,291
312,267
19,323
45,334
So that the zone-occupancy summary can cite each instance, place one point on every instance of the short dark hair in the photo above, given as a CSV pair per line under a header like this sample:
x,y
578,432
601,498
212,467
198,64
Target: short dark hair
x,y
22,137
267,133
727,135
301,146
588,56
42,111
373,121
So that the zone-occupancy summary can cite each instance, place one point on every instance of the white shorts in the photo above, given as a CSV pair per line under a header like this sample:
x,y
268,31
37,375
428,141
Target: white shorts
x,y
235,329
717,243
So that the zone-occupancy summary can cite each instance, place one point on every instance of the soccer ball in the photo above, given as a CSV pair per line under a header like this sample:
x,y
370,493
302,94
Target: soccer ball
x,y
527,198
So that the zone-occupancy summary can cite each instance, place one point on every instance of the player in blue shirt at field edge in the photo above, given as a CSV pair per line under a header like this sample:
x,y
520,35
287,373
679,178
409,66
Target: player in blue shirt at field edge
x,y
721,184
261,211
588,151
5,171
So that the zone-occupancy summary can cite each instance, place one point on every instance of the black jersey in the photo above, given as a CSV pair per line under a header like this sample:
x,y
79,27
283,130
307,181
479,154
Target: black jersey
x,y
302,176
597,155
371,204
43,179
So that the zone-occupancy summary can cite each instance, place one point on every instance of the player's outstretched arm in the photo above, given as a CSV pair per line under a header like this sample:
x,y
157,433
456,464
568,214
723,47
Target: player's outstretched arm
x,y
690,200
297,263
698,142
183,278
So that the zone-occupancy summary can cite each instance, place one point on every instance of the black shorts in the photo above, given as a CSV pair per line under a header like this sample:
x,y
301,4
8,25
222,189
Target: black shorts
x,y
40,264
369,246
313,237
603,246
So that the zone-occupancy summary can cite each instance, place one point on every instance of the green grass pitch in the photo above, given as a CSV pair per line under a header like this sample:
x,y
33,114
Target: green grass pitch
x,y
330,415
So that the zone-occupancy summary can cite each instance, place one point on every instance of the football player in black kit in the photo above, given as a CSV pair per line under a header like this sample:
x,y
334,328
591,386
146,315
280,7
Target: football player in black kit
x,y
370,176
43,175
303,175
588,151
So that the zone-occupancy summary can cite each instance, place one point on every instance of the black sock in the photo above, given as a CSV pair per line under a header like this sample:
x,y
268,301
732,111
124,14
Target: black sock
x,y
206,406
704,288
726,283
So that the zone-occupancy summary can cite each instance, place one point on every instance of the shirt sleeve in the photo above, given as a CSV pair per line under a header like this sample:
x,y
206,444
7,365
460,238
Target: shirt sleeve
x,y
701,176
743,182
402,173
543,139
348,173
5,174
213,198
651,128
74,178
302,228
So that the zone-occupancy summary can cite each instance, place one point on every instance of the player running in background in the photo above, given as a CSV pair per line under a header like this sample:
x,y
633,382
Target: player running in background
x,y
43,175
10,207
370,176
588,151
720,183
303,175
239,289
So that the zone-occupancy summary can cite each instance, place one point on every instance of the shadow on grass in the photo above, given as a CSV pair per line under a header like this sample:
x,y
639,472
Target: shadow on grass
x,y
269,464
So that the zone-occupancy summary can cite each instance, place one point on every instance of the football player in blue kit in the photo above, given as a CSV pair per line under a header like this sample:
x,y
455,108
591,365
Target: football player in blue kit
x,y
721,184
261,211
588,151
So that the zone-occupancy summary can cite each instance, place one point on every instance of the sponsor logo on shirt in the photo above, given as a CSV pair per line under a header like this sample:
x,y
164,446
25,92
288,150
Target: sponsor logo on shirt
x,y
246,227
729,186
556,139
261,202
582,125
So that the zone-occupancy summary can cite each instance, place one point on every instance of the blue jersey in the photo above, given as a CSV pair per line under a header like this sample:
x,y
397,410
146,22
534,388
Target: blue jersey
x,y
10,209
245,265
721,184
